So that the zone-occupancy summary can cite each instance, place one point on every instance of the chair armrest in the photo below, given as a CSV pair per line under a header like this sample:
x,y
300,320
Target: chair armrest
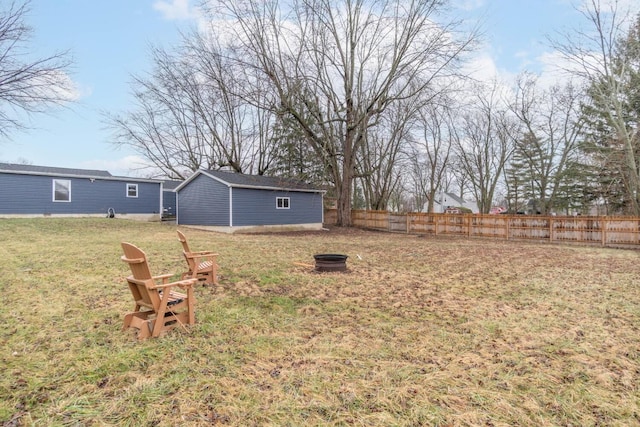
x,y
209,256
163,277
180,283
200,253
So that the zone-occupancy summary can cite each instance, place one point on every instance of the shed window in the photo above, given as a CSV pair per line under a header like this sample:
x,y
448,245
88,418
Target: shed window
x,y
132,190
282,203
61,190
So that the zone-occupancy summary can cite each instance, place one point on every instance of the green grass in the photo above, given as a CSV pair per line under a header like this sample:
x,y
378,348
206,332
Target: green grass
x,y
419,331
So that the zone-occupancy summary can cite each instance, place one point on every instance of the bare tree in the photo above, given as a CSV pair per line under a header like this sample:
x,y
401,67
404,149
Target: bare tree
x,y
552,124
434,137
484,144
190,114
27,85
338,65
598,56
233,108
381,161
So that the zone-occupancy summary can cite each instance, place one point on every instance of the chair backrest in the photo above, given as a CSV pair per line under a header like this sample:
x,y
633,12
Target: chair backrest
x,y
191,262
140,271
137,261
183,240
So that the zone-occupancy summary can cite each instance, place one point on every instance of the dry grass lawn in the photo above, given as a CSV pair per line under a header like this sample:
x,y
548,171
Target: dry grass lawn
x,y
421,331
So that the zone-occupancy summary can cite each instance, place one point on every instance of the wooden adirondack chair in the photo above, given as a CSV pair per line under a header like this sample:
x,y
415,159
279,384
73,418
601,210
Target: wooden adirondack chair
x,y
202,265
159,308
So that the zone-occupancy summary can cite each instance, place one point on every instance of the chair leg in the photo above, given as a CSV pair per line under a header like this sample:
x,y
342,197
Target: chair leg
x,y
158,325
134,319
191,302
145,331
139,321
208,278
128,318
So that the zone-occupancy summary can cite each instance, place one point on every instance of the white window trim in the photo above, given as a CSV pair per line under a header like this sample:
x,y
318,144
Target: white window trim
x,y
127,190
53,193
288,203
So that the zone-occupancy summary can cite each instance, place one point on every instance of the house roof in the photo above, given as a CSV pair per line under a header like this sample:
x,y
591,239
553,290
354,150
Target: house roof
x,y
455,198
48,170
65,172
233,179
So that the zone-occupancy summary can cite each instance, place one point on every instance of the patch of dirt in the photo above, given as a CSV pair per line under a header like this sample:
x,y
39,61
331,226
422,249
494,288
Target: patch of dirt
x,y
332,230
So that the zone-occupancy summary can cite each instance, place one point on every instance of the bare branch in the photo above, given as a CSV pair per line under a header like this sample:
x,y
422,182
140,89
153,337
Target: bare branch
x,y
27,85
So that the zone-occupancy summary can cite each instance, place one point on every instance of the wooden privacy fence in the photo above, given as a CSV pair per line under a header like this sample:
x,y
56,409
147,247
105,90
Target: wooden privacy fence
x,y
599,230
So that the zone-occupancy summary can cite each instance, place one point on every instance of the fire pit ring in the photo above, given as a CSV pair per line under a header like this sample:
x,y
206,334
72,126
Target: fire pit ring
x,y
330,262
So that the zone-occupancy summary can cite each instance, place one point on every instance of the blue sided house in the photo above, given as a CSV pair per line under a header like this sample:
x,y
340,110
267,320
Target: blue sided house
x,y
27,190
232,202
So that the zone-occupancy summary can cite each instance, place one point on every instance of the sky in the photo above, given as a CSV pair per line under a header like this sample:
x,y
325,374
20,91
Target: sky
x,y
109,42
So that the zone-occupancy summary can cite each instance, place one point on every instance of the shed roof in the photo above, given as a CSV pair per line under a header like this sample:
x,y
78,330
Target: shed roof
x,y
233,179
170,184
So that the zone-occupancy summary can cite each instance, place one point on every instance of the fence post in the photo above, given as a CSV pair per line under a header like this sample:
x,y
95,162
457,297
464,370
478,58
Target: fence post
x,y
550,228
435,224
507,221
603,227
580,228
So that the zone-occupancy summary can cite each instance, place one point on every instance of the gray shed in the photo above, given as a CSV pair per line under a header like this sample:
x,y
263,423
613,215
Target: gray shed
x,y
231,202
27,190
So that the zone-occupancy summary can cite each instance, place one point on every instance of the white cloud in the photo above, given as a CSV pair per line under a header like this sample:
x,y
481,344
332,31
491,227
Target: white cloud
x,y
58,85
622,6
68,89
554,69
175,10
468,5
482,67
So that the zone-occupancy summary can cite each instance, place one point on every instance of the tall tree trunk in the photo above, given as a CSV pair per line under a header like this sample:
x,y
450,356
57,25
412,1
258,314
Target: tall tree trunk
x,y
344,202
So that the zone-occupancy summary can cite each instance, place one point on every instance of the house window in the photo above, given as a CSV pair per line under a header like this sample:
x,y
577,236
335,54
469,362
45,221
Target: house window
x,y
132,190
61,190
282,203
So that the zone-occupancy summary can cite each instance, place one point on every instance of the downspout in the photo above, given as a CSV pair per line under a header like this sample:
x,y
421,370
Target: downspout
x,y
230,206
161,200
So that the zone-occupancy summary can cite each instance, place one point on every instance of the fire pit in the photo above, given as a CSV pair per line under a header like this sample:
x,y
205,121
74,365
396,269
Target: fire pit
x,y
330,262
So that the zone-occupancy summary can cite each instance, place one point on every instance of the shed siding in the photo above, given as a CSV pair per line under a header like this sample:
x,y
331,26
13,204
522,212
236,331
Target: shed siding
x,y
32,194
258,207
204,201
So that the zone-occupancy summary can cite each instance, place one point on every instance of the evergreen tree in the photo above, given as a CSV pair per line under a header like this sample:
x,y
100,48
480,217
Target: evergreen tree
x,y
520,177
613,117
295,158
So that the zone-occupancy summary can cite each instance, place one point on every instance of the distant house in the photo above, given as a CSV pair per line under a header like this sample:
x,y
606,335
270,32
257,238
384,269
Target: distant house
x,y
27,190
449,200
231,202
